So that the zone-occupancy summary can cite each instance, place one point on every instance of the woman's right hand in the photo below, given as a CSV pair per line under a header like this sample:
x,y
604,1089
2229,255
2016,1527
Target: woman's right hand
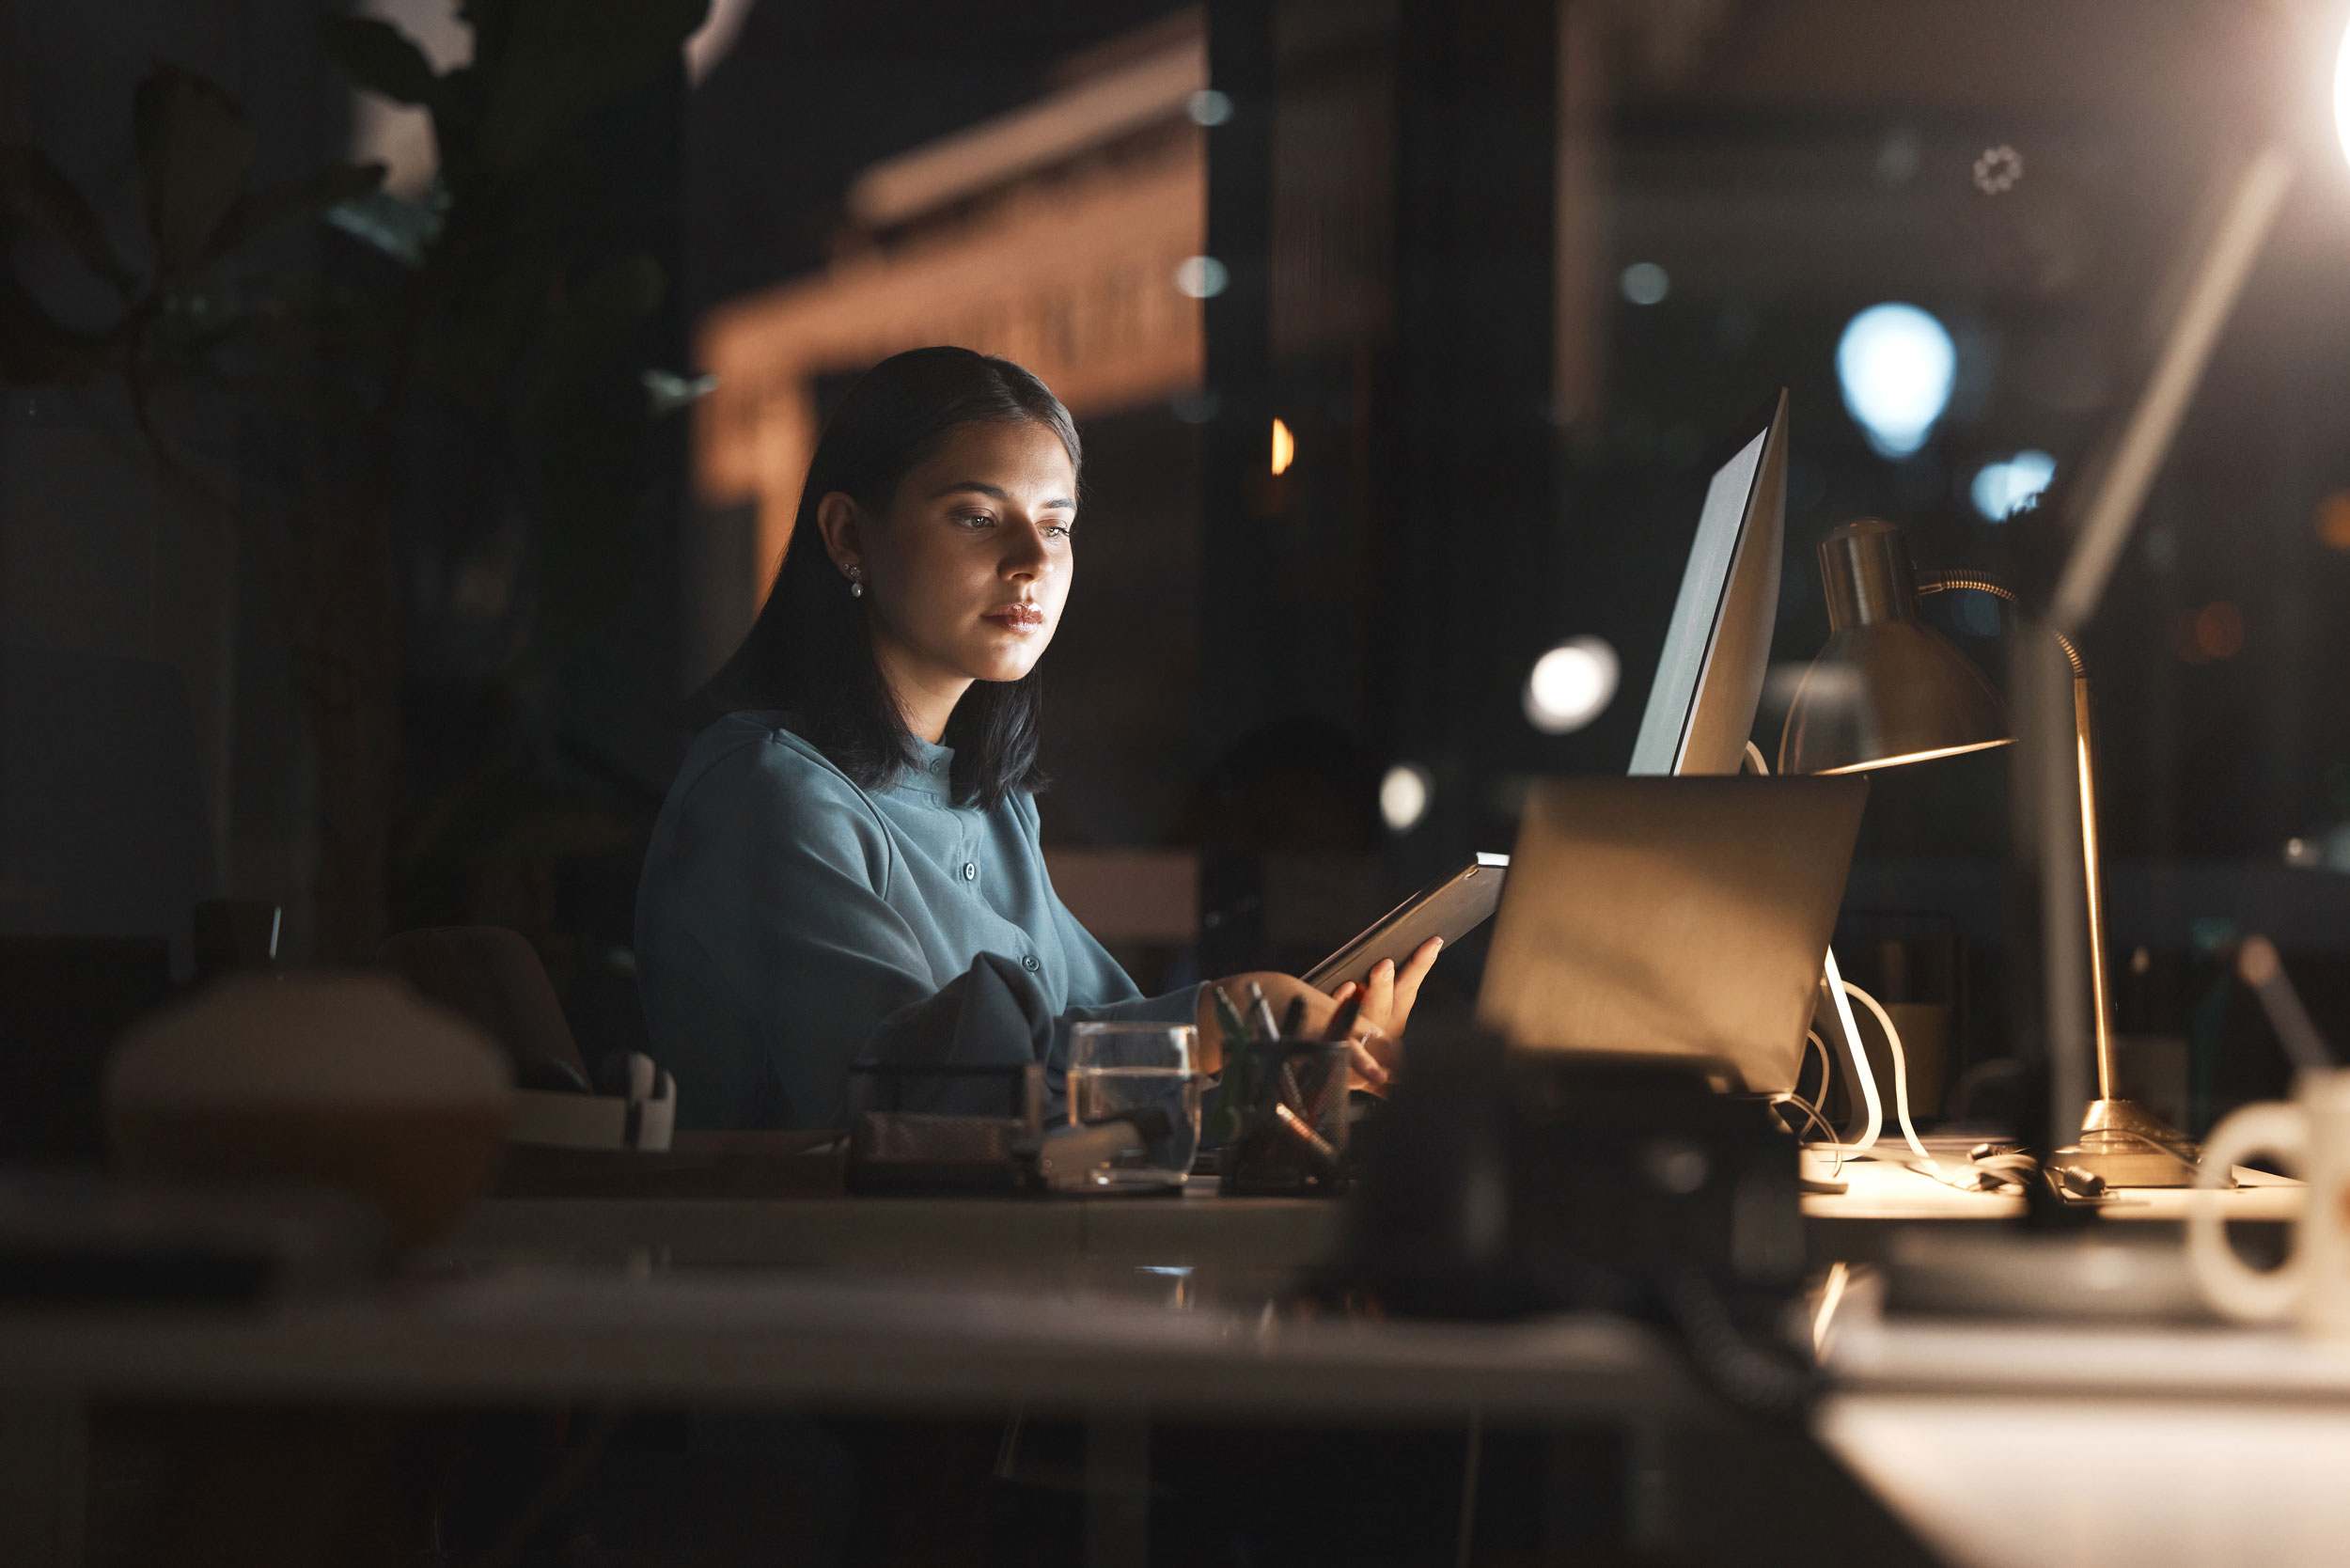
x,y
1385,1008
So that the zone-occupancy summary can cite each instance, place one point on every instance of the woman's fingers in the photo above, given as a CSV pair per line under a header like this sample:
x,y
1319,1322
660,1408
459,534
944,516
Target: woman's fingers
x,y
1422,960
1379,994
1407,982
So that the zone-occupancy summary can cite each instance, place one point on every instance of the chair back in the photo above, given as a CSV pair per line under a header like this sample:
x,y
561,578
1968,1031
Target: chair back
x,y
492,976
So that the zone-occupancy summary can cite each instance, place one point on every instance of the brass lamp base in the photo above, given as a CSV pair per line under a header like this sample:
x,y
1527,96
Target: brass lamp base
x,y
2128,1146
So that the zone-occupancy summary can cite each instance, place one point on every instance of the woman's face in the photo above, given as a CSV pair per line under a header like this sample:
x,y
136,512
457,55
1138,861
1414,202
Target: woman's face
x,y
967,573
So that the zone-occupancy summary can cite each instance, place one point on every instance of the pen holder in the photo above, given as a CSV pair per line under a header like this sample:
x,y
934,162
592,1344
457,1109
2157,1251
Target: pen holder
x,y
1293,1138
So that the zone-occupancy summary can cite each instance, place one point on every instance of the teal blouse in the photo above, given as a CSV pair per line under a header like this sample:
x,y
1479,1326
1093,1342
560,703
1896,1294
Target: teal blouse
x,y
790,923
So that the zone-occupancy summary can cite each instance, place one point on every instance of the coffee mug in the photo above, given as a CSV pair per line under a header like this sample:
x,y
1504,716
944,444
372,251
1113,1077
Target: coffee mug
x,y
348,1081
2311,1134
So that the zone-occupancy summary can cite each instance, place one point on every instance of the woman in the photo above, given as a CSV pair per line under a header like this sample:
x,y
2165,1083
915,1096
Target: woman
x,y
847,868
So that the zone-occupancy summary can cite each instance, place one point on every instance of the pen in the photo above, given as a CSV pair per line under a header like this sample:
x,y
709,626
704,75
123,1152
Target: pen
x,y
1228,1018
1342,1025
1275,1068
1293,1019
1292,1124
1238,1091
1261,1016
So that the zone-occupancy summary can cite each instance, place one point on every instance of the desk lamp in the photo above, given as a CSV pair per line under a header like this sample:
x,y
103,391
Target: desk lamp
x,y
1886,690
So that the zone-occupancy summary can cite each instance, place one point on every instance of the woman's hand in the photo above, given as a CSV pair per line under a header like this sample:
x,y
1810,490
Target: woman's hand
x,y
1387,1007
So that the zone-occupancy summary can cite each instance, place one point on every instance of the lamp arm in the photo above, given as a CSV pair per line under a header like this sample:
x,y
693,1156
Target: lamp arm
x,y
2085,764
1982,582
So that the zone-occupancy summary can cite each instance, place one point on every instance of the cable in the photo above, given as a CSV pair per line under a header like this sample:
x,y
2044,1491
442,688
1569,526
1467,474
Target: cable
x,y
1471,1460
1867,1141
1900,1096
1760,1377
1811,1116
1901,1071
1928,1165
1813,1113
1875,1122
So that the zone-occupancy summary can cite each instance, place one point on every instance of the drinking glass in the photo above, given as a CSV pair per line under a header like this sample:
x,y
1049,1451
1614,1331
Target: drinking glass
x,y
1140,1073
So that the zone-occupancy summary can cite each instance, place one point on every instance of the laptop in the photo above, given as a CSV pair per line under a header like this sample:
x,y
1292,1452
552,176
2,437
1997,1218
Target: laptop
x,y
1673,917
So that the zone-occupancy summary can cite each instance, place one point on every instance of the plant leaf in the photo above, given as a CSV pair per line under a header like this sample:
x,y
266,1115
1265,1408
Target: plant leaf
x,y
36,349
260,215
48,193
401,229
194,149
561,59
381,58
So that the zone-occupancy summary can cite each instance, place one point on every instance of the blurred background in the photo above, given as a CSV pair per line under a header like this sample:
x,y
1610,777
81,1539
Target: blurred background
x,y
358,538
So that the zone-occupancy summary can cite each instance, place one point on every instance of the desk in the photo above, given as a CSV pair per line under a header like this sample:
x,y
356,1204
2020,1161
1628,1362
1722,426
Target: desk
x,y
1083,1308
2097,1446
992,1235
753,1337
1262,1236
1882,1185
760,1338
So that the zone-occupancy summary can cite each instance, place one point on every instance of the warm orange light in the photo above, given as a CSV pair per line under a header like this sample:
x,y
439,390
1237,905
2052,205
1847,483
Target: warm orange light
x,y
2219,629
2333,519
1284,447
2213,631
1874,763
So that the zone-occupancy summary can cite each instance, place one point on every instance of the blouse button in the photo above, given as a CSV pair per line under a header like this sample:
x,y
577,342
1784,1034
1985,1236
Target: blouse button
x,y
1030,965
970,871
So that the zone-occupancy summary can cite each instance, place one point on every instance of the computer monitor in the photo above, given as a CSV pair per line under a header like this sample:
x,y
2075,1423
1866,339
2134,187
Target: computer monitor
x,y
1709,680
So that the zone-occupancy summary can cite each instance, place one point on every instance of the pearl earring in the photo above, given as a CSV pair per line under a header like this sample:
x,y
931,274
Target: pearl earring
x,y
856,581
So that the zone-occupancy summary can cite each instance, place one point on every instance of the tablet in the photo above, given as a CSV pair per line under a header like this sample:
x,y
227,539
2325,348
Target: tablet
x,y
1452,907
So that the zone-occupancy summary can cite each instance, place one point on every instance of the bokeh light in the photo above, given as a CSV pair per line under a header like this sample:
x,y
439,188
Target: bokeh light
x,y
1896,364
2341,95
1203,277
1571,686
1284,447
1999,170
1403,797
2215,632
2333,521
1645,282
2001,490
1209,107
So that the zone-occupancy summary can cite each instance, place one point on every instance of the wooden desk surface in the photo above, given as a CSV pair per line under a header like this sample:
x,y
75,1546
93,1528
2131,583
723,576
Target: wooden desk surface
x,y
778,1336
1199,1229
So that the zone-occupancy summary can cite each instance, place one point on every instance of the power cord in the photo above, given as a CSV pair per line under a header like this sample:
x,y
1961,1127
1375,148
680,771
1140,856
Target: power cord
x,y
1901,1073
1874,1120
1838,990
1926,1164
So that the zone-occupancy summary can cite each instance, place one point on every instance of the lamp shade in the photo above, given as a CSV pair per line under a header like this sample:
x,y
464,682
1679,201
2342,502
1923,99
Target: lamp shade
x,y
1886,690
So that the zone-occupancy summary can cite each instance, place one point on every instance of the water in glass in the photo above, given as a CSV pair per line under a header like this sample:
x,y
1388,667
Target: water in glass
x,y
1142,1074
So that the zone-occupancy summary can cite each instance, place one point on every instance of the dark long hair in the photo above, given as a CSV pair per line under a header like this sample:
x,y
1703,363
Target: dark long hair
x,y
811,653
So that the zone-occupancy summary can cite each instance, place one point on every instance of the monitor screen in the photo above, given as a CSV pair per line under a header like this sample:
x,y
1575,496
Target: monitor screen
x,y
1709,680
